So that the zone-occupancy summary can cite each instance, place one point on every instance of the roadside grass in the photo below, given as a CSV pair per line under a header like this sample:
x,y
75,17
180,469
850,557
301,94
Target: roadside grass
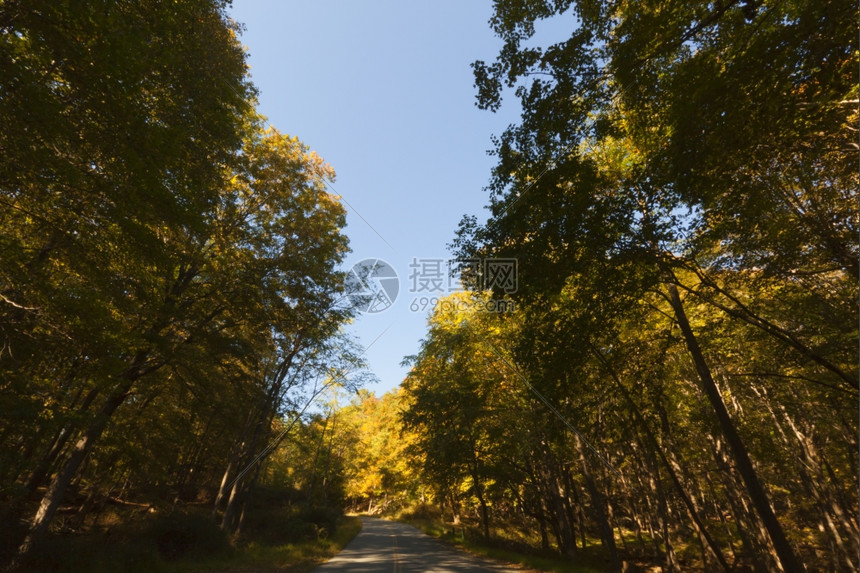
x,y
589,561
275,540
533,561
518,543
293,557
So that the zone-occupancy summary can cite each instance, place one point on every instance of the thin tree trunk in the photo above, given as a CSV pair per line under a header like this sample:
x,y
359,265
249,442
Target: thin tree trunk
x,y
247,490
479,493
328,463
222,489
784,551
485,513
230,520
319,448
38,476
540,517
60,483
568,543
606,533
570,516
692,511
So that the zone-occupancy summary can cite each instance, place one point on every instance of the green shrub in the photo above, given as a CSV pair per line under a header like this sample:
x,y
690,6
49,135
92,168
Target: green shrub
x,y
324,518
419,511
179,534
276,526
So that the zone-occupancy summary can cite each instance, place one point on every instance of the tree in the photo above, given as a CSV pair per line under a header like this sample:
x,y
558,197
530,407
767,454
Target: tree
x,y
376,447
278,206
453,405
659,140
134,112
157,243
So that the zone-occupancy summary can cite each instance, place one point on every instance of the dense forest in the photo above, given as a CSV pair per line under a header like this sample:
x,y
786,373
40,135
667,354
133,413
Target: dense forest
x,y
169,267
679,379
672,382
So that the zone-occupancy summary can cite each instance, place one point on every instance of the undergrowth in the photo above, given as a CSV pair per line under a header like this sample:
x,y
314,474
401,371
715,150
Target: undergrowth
x,y
273,538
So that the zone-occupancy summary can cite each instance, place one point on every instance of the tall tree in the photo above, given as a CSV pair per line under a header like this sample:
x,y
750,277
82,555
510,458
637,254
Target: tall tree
x,y
156,242
666,137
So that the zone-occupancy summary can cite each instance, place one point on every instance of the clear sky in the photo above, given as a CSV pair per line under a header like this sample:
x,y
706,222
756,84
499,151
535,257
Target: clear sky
x,y
383,91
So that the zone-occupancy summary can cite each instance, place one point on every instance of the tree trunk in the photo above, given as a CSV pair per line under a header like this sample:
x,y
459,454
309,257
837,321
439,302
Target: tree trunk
x,y
671,469
59,485
222,489
540,517
784,551
485,512
41,472
312,481
570,515
750,532
606,534
567,544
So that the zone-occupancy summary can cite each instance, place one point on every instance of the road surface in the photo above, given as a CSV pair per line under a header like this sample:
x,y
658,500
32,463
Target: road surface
x,y
389,547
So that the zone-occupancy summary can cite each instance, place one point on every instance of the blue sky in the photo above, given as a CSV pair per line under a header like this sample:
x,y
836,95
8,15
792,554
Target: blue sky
x,y
383,91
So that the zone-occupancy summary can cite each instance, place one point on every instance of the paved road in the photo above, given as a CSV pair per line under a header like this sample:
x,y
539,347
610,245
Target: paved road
x,y
388,547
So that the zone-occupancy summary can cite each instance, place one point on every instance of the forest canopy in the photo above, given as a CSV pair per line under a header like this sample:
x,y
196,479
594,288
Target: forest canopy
x,y
169,277
672,383
680,196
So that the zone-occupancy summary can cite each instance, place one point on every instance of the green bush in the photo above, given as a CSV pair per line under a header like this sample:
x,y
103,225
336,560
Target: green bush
x,y
93,552
419,511
276,526
324,518
179,534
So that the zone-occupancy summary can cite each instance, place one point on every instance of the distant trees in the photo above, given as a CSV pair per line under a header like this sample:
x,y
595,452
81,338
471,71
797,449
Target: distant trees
x,y
352,455
378,469
168,269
